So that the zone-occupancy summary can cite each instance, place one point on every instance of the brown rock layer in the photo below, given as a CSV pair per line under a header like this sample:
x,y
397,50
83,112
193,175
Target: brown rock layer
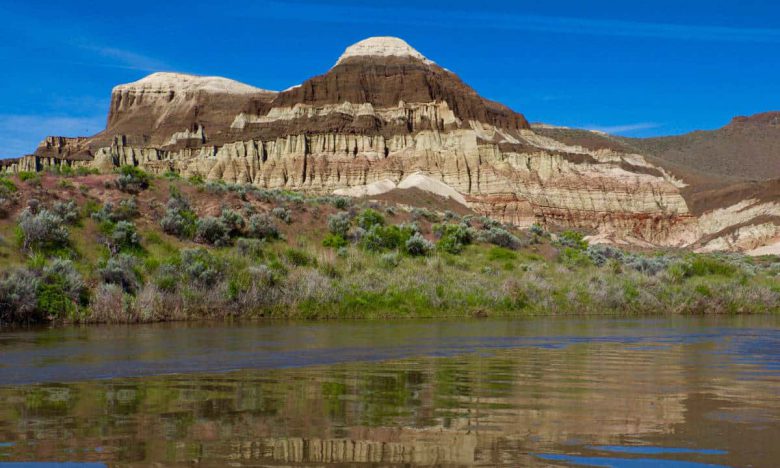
x,y
386,81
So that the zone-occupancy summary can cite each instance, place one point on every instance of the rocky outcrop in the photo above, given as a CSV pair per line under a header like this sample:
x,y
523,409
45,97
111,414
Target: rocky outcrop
x,y
152,110
35,163
384,118
64,148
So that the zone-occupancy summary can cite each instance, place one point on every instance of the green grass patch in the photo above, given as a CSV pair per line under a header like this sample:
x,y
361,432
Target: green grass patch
x,y
501,254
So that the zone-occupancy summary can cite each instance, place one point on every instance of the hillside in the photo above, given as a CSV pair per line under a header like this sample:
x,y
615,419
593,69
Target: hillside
x,y
747,148
130,247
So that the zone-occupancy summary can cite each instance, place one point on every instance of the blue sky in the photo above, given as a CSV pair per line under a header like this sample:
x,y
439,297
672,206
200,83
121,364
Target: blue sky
x,y
633,68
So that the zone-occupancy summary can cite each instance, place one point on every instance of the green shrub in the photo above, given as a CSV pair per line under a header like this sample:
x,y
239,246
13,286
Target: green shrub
x,y
6,205
67,211
298,257
380,237
7,187
179,219
500,237
537,230
42,230
485,222
615,258
339,224
601,254
19,298
647,265
250,248
167,278
233,221
575,257
261,226
335,241
64,271
132,179
61,289
417,245
678,271
201,267
28,176
216,186
369,218
341,203
65,184
450,216
703,289
181,224
34,205
91,207
424,213
390,260
453,237
121,270
238,283
127,210
124,237
283,214
212,231
53,302
104,213
196,179
703,265
573,239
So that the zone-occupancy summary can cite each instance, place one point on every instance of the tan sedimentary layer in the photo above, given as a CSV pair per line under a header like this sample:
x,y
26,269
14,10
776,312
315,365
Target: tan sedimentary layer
x,y
548,183
520,188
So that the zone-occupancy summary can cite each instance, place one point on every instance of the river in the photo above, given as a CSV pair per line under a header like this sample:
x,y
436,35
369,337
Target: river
x,y
668,392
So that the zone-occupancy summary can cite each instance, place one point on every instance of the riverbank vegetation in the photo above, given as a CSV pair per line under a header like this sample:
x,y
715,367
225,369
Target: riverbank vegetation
x,y
131,247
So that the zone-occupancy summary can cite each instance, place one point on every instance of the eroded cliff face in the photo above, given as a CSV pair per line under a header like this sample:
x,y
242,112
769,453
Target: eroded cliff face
x,y
384,113
170,108
537,184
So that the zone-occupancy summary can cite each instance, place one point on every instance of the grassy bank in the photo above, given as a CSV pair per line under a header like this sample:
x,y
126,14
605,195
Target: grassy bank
x,y
135,248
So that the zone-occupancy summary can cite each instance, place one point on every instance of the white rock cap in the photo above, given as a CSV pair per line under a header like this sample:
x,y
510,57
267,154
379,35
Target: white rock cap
x,y
382,47
165,81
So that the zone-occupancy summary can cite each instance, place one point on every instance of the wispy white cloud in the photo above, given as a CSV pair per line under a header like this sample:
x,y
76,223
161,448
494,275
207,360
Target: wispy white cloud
x,y
624,128
122,58
77,46
20,134
411,16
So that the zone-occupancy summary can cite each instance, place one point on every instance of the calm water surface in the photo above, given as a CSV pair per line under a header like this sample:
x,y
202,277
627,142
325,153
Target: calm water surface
x,y
673,392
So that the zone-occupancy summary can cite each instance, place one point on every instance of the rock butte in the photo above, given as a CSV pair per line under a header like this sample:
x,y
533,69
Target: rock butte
x,y
179,82
386,118
382,47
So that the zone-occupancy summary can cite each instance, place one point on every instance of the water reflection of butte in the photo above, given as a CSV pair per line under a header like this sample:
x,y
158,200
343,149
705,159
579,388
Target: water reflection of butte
x,y
612,416
609,395
371,445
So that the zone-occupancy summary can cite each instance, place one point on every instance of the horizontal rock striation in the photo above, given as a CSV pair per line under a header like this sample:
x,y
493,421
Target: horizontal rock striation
x,y
152,110
537,185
